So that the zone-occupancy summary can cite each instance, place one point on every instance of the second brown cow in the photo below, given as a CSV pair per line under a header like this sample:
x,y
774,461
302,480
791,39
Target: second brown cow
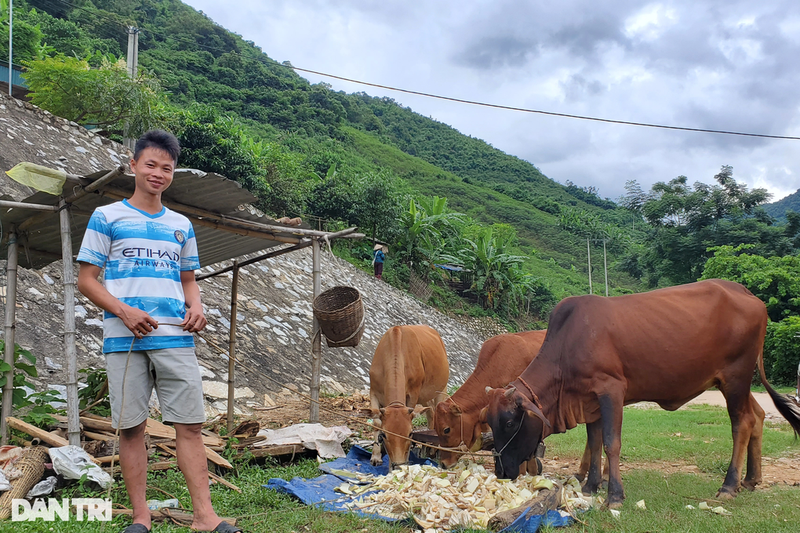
x,y
500,361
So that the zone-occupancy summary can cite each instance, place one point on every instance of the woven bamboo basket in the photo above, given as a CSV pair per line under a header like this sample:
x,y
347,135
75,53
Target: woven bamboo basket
x,y
340,313
32,467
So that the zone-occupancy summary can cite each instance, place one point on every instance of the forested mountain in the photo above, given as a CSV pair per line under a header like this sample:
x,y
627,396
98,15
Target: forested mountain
x,y
320,130
436,195
778,209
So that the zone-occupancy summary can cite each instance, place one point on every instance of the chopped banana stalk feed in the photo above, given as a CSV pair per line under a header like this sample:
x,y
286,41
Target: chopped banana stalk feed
x,y
466,496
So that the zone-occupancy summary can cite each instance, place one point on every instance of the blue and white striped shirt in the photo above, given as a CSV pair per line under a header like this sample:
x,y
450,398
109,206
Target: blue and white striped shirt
x,y
143,256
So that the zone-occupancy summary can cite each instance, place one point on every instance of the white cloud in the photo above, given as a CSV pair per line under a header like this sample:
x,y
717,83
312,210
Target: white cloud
x,y
716,64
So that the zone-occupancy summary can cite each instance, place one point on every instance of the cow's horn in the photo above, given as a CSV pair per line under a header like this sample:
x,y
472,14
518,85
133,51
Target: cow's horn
x,y
509,392
488,389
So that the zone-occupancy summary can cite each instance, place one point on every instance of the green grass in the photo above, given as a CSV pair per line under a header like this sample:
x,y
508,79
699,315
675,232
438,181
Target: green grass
x,y
666,497
649,436
699,435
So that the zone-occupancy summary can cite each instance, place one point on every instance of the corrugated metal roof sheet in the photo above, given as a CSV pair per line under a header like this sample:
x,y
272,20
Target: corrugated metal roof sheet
x,y
197,190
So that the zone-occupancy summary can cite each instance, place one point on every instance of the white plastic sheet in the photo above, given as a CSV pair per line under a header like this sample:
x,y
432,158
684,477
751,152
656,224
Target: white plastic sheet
x,y
327,441
72,463
43,488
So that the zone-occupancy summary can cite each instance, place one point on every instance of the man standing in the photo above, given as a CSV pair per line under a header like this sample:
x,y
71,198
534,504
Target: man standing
x,y
150,254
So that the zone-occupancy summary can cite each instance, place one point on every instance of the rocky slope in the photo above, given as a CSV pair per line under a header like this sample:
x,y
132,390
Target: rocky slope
x,y
275,317
273,329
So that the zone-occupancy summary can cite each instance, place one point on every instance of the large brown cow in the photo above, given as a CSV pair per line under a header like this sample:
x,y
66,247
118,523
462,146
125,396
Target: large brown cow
x,y
409,368
501,360
666,346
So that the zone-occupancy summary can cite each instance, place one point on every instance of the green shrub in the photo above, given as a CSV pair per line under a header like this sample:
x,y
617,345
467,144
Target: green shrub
x,y
781,351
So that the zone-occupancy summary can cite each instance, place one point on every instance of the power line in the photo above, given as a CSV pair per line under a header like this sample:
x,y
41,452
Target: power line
x,y
540,112
460,100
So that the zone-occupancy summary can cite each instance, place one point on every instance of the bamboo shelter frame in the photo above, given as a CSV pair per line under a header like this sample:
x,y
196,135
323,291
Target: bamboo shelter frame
x,y
101,186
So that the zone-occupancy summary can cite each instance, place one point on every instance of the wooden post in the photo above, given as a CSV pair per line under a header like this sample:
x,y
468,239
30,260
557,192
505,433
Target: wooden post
x,y
589,255
73,422
605,265
316,339
11,310
232,342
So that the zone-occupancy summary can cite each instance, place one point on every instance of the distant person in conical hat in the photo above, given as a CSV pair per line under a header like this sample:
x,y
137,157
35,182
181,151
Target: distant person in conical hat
x,y
378,257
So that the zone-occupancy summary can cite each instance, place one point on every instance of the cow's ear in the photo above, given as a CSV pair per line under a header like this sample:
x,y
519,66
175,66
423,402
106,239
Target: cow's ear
x,y
383,411
456,410
532,410
477,439
377,423
482,416
537,413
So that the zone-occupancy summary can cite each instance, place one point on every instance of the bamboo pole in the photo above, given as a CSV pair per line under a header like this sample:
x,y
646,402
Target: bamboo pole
x,y
234,228
316,338
83,191
73,422
33,431
184,209
345,233
23,205
272,253
232,342
10,328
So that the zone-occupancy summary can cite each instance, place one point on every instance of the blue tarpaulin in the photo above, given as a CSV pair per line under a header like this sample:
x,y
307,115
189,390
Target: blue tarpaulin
x,y
320,490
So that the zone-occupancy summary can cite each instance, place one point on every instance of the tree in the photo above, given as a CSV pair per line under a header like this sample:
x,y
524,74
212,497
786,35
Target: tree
x,y
686,221
214,142
372,200
775,280
426,225
27,37
633,200
105,97
498,280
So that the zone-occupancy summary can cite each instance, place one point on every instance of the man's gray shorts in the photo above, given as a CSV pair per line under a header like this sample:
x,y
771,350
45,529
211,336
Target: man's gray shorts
x,y
176,376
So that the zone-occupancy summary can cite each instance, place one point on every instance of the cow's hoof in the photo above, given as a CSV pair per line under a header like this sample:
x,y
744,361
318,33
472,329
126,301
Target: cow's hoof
x,y
725,494
750,485
588,490
614,504
375,462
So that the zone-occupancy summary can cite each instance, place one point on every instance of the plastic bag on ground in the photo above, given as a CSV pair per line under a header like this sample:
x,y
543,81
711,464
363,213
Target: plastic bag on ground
x,y
72,462
43,488
327,441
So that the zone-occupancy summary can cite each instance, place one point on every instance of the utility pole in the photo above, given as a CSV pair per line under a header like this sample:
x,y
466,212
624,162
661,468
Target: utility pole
x,y
605,265
10,47
133,70
589,258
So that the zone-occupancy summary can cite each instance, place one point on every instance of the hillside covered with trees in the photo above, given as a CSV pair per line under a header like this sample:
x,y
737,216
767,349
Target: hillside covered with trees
x,y
789,203
438,197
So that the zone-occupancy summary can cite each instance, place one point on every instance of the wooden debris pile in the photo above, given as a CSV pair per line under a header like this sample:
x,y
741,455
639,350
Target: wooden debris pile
x,y
98,440
468,496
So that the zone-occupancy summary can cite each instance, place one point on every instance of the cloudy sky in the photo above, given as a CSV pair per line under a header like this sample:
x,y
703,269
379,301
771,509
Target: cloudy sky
x,y
710,64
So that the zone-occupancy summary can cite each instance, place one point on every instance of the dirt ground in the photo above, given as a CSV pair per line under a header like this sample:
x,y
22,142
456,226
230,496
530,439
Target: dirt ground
x,y
348,410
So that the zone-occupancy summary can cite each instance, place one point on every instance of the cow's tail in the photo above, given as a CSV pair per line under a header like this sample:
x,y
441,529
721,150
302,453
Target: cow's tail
x,y
785,403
